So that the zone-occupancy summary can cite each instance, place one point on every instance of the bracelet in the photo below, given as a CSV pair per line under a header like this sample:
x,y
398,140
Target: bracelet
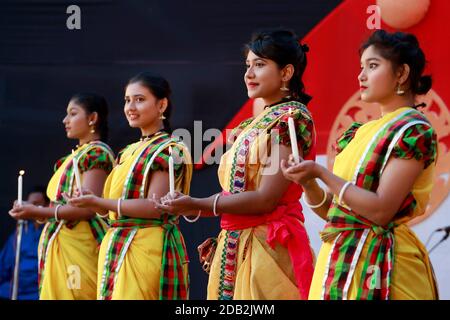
x,y
315,206
40,221
215,204
119,214
104,216
341,193
195,219
56,212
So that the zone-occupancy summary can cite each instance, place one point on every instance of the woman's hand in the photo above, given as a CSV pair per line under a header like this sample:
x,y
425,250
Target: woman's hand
x,y
76,193
177,204
302,172
85,201
24,212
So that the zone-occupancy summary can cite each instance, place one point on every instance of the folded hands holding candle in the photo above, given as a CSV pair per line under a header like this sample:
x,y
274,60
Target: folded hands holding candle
x,y
133,208
302,172
84,199
25,211
177,204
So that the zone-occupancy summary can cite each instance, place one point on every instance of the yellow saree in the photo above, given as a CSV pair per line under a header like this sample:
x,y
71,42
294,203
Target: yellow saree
x,y
68,252
139,266
412,275
266,265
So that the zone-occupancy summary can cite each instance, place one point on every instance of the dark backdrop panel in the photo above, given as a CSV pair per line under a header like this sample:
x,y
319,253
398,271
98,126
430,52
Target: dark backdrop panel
x,y
196,46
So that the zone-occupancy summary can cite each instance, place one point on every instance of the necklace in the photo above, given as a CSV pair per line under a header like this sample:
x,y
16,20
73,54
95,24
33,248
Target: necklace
x,y
144,138
80,145
284,99
141,140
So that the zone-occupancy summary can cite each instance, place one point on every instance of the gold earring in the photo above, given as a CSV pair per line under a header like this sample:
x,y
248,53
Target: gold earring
x,y
284,88
400,92
91,124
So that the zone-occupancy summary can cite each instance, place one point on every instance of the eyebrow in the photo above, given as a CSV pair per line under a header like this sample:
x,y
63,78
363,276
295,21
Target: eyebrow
x,y
262,59
370,59
136,95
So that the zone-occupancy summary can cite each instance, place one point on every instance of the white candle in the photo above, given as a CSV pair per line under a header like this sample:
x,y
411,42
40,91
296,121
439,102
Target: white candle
x,y
171,174
20,187
77,173
293,137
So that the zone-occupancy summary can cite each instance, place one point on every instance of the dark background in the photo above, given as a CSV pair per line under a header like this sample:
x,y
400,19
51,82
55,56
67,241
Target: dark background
x,y
197,46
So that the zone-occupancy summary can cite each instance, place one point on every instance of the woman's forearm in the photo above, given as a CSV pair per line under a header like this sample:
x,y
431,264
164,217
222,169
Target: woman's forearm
x,y
314,195
133,208
248,202
65,212
365,203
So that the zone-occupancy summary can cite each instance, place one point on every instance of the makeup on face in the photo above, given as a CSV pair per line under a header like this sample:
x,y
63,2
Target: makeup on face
x,y
376,79
76,121
141,107
262,77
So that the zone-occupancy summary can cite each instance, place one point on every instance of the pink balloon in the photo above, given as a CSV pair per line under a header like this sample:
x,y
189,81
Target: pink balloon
x,y
403,14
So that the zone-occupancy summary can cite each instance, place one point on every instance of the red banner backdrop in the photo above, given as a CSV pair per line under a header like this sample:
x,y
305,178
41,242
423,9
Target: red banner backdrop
x,y
333,60
333,67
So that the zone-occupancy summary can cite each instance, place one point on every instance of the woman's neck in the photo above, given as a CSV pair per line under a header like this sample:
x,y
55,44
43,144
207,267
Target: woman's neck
x,y
396,102
275,98
88,138
148,131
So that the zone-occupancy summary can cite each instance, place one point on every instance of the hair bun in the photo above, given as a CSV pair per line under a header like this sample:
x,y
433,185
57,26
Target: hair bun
x,y
305,48
424,84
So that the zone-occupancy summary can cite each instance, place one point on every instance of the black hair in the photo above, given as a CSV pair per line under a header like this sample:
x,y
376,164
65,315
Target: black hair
x,y
402,48
283,46
92,102
42,190
160,88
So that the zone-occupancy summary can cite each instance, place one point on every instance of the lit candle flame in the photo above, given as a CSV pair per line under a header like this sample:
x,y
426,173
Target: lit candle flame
x,y
21,172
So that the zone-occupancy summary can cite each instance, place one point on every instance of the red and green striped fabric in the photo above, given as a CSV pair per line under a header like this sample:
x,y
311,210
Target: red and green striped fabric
x,y
350,231
96,155
173,282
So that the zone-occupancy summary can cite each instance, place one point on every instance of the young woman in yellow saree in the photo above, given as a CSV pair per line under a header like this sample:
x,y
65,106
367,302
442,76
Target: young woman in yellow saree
x,y
382,178
143,255
263,250
70,240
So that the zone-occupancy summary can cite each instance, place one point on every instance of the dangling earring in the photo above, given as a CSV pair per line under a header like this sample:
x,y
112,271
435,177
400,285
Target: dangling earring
x,y
91,124
400,92
284,88
161,117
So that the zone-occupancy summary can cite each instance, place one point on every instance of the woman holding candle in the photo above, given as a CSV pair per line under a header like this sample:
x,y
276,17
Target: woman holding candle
x,y
143,255
382,178
263,250
68,248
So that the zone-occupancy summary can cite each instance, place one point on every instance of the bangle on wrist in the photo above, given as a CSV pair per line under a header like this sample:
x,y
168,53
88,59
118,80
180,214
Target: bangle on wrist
x,y
315,206
341,193
215,204
56,212
119,202
39,220
102,216
195,219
